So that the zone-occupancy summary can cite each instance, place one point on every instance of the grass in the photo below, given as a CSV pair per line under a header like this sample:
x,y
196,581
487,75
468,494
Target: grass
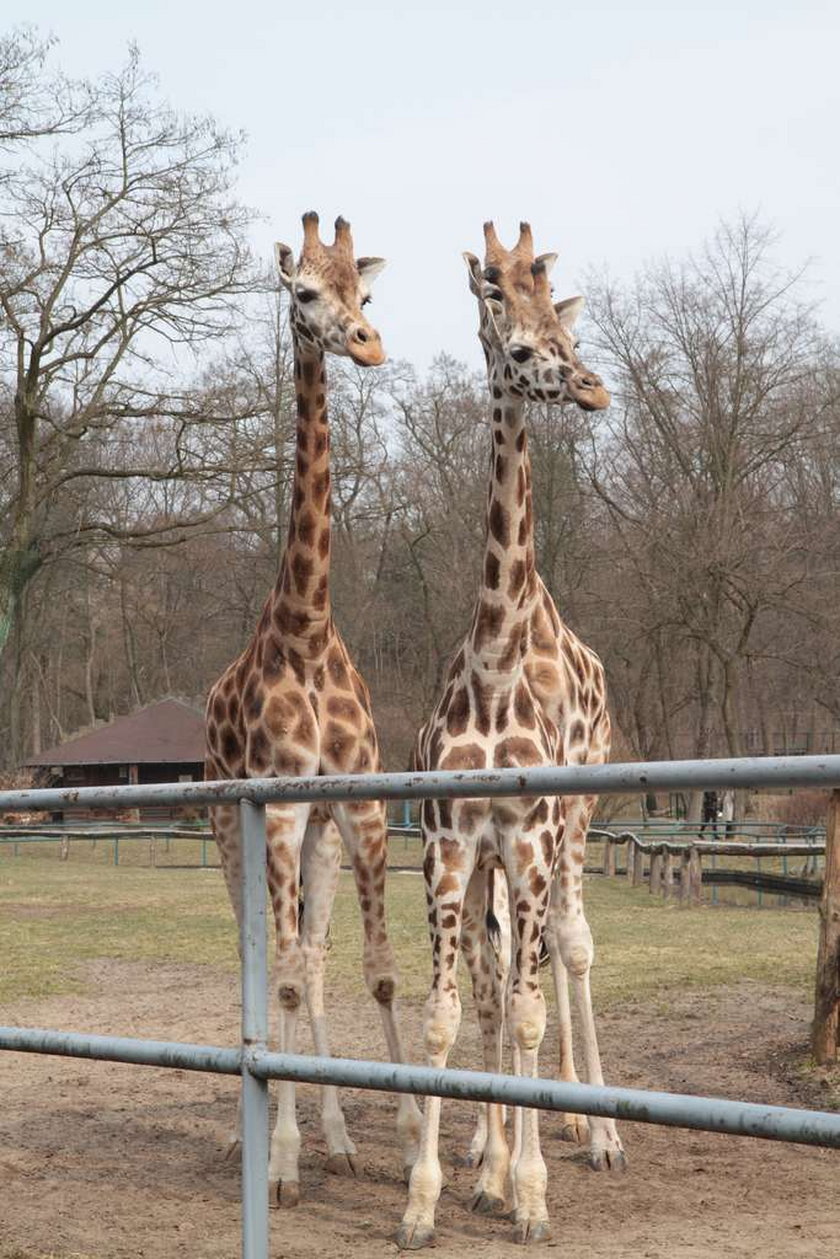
x,y
54,916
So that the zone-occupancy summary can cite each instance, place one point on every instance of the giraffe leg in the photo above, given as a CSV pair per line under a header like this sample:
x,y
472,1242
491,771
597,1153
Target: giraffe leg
x,y
320,865
575,1127
446,885
488,970
285,827
526,1019
568,935
364,829
227,831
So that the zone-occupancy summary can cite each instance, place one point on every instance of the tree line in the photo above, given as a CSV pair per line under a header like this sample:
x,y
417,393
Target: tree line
x,y
689,534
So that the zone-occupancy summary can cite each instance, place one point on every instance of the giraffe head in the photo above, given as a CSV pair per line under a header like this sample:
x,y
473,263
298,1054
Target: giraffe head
x,y
327,289
529,340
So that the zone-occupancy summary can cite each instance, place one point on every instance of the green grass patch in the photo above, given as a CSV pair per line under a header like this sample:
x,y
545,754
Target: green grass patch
x,y
54,916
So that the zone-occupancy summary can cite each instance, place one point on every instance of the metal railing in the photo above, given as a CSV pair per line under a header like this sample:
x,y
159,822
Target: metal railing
x,y
256,1065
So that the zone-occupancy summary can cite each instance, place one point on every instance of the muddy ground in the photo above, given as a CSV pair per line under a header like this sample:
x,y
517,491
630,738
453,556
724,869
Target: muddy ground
x,y
116,1162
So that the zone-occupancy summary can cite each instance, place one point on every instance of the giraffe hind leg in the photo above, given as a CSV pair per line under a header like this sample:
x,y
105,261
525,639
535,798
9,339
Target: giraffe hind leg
x,y
364,830
487,956
320,865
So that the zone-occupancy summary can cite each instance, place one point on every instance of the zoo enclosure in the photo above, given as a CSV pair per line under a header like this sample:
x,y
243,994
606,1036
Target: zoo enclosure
x,y
256,1065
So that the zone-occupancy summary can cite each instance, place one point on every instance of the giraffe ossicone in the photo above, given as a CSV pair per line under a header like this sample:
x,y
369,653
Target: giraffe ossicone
x,y
522,690
293,703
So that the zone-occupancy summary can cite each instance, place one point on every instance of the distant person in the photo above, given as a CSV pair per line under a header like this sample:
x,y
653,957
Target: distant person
x,y
727,811
709,812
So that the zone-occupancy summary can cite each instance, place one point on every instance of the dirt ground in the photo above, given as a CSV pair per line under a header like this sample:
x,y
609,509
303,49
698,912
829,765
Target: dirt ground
x,y
116,1162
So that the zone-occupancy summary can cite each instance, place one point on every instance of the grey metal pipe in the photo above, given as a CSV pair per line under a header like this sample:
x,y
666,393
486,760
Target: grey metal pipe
x,y
781,771
144,1053
254,1033
675,1110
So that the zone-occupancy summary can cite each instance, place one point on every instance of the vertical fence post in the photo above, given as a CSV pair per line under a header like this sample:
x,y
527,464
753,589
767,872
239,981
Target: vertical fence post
x,y
825,1037
695,876
668,873
254,1033
630,866
638,865
609,857
655,871
685,879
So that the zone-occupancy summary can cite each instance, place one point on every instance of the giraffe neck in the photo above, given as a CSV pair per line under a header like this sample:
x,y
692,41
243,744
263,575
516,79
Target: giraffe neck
x,y
301,596
508,580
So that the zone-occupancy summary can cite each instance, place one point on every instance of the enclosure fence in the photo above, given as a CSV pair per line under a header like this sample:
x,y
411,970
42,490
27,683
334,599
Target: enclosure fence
x,y
252,1060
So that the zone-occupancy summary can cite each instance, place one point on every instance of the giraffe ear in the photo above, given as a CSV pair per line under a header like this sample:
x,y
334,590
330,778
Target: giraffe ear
x,y
547,260
476,278
568,311
369,268
285,264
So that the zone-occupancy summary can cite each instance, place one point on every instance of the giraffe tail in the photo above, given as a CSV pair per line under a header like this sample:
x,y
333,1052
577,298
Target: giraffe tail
x,y
491,922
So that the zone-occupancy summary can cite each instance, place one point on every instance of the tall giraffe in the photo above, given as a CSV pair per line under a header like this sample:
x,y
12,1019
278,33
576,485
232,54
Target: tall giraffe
x,y
294,704
522,690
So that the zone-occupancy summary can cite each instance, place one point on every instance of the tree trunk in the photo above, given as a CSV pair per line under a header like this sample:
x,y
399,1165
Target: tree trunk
x,y
703,742
825,1036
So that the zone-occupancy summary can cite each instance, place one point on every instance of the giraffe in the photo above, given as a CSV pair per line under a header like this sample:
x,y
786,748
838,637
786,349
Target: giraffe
x,y
522,690
294,704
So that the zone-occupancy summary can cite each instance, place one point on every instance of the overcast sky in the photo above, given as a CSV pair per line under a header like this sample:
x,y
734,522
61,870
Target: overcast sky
x,y
621,131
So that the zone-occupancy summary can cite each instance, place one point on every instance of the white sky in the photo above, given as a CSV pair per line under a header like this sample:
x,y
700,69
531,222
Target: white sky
x,y
621,131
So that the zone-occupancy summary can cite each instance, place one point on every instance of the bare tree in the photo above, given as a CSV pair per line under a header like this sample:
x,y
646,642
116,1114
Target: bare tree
x,y
117,249
711,360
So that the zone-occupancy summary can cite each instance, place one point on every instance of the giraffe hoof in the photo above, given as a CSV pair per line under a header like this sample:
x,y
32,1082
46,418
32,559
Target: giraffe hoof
x,y
283,1193
608,1160
414,1236
342,1165
575,1129
532,1232
486,1204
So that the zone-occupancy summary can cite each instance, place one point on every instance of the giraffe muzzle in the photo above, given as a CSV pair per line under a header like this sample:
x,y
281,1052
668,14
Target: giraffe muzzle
x,y
588,392
364,346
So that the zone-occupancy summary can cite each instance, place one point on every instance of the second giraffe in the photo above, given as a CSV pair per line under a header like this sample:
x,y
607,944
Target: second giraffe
x,y
522,690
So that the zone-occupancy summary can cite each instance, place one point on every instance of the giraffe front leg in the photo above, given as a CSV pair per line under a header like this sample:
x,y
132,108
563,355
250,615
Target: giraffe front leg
x,y
526,1019
574,938
320,866
285,826
364,829
445,890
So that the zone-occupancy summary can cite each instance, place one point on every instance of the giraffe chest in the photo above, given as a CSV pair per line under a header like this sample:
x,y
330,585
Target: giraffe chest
x,y
482,723
278,713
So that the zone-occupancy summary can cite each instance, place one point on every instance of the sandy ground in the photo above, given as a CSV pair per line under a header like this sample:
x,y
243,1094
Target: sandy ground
x,y
116,1162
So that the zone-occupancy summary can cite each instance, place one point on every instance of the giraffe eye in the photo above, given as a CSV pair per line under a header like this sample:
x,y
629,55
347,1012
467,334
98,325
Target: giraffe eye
x,y
576,345
365,299
306,295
